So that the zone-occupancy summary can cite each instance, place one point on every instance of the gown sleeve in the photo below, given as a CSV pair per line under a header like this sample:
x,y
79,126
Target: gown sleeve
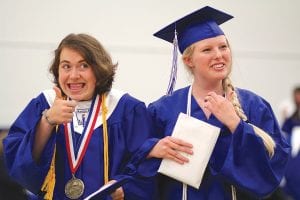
x,y
241,158
138,129
18,147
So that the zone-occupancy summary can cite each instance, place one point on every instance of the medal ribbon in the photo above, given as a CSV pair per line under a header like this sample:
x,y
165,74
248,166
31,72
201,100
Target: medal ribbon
x,y
75,161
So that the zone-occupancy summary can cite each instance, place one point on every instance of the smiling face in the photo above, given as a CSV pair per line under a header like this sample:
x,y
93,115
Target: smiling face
x,y
210,61
75,76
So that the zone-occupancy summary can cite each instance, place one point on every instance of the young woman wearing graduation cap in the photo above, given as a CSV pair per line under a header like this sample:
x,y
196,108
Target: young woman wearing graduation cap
x,y
71,140
250,155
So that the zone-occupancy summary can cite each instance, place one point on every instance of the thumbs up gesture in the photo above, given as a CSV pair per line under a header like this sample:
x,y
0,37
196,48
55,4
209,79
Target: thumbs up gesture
x,y
62,109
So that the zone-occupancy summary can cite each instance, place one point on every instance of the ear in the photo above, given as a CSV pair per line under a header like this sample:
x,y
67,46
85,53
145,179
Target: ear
x,y
188,61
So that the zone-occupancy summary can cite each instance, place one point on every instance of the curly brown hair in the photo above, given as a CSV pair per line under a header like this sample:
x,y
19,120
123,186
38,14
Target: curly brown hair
x,y
94,54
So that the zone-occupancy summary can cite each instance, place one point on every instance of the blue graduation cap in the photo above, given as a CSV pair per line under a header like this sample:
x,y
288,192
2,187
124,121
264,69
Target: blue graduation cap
x,y
199,25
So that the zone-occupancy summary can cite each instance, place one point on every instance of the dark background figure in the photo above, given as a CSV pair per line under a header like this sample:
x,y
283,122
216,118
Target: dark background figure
x,y
291,128
9,190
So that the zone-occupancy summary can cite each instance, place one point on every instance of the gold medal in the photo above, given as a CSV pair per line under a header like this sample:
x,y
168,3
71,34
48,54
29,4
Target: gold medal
x,y
74,188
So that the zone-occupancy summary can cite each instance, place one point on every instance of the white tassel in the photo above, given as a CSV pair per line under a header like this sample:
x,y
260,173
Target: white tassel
x,y
173,75
184,191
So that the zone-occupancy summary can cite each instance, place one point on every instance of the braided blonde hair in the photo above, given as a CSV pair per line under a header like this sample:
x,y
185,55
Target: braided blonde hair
x,y
266,138
229,89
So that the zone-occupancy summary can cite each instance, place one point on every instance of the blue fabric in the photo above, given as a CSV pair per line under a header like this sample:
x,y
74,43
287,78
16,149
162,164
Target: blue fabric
x,y
128,128
197,32
288,126
238,159
198,25
292,178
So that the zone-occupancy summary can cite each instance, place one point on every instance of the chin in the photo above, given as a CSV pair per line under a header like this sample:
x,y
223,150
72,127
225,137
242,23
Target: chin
x,y
224,74
221,76
76,97
81,97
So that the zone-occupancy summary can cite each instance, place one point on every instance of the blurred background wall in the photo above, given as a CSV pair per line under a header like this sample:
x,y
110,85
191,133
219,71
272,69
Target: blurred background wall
x,y
264,35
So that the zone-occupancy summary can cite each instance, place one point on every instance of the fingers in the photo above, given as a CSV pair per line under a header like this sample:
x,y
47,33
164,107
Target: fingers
x,y
173,149
71,104
62,109
118,194
213,101
58,92
180,142
180,145
67,110
211,97
178,157
68,103
176,149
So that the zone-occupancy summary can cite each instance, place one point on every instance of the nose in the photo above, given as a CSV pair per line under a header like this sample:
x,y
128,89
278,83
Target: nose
x,y
218,53
74,73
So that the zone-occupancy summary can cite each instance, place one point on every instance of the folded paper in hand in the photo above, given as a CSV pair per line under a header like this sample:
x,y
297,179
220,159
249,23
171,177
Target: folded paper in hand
x,y
203,136
107,189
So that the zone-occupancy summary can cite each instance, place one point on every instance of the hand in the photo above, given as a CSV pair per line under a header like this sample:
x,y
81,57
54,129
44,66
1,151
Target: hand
x,y
172,148
62,110
118,194
222,109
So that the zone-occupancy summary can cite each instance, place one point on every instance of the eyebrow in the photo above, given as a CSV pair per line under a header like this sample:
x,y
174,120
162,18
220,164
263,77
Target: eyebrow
x,y
66,61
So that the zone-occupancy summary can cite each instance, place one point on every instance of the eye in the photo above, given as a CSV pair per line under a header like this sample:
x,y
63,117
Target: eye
x,y
84,65
224,47
206,50
65,66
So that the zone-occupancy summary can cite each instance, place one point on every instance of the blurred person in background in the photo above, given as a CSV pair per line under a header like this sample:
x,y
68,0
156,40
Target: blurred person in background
x,y
291,129
9,189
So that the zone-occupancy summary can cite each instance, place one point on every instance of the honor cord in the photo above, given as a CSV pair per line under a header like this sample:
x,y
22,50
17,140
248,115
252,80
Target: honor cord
x,y
105,139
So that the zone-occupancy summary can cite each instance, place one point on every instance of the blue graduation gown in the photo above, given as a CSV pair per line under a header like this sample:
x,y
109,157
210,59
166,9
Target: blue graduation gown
x,y
239,159
288,126
128,127
292,177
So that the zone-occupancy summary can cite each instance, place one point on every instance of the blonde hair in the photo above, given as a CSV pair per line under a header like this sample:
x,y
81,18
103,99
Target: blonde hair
x,y
229,89
266,138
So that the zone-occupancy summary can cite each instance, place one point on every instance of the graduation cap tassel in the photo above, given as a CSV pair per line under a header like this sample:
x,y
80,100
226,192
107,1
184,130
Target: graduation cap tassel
x,y
173,75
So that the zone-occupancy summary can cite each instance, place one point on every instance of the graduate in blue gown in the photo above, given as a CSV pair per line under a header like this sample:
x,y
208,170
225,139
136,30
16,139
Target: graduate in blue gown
x,y
250,155
291,127
71,140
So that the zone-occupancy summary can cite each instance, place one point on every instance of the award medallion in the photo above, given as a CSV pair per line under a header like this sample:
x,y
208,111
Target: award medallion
x,y
74,188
